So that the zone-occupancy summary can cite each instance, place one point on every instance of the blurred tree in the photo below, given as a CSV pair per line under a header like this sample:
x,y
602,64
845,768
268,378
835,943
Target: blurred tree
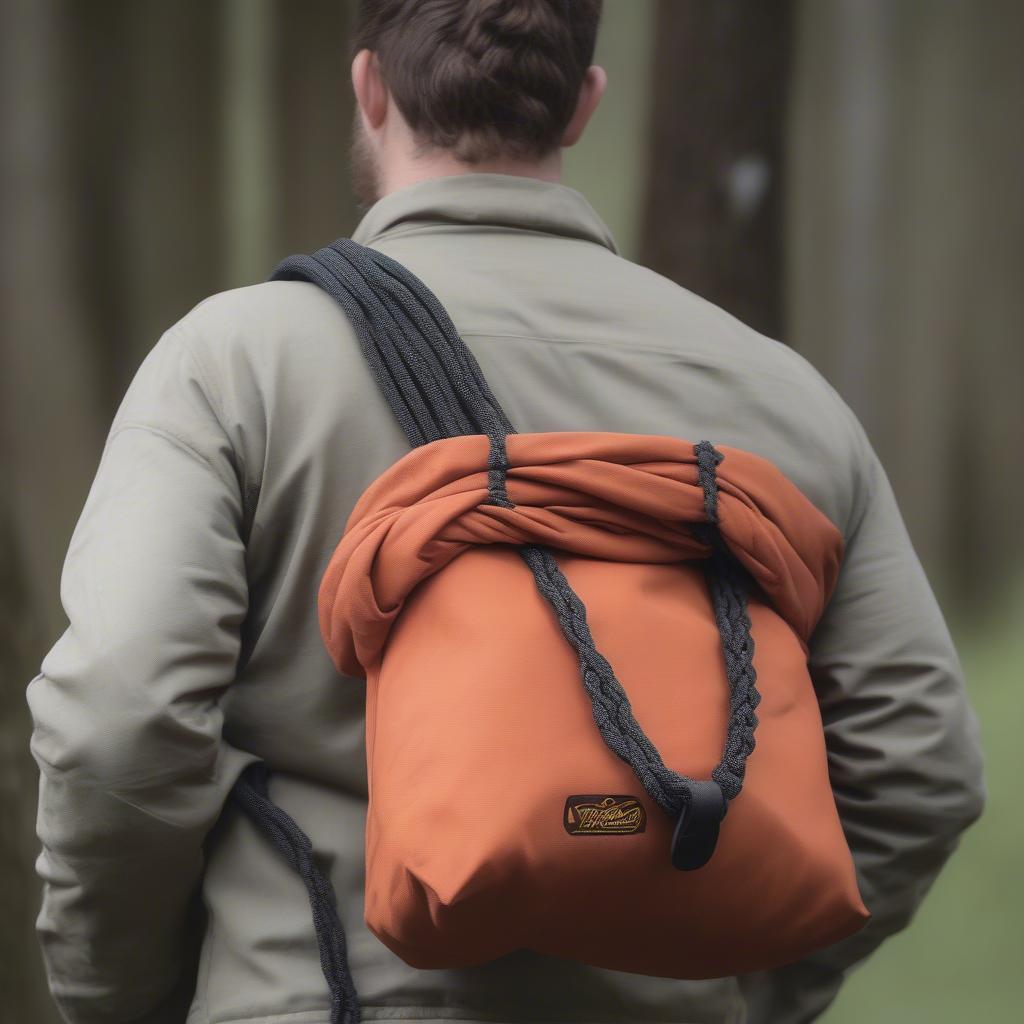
x,y
712,219
313,199
608,164
143,158
905,261
152,153
50,432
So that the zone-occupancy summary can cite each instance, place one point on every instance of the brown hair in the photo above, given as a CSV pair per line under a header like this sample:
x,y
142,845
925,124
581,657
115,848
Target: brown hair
x,y
482,78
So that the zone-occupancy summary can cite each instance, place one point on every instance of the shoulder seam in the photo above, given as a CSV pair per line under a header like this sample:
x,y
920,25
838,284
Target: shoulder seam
x,y
249,484
168,435
212,393
428,226
629,347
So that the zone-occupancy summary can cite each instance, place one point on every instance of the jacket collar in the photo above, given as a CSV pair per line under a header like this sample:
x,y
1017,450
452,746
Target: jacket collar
x,y
501,200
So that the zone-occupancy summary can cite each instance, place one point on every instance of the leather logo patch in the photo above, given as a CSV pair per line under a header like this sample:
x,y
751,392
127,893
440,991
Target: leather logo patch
x,y
593,814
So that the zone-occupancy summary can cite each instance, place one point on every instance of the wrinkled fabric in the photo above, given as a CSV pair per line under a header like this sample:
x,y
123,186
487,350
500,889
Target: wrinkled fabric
x,y
479,734
628,498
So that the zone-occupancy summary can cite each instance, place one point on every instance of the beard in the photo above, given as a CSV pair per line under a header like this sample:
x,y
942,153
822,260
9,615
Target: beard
x,y
366,176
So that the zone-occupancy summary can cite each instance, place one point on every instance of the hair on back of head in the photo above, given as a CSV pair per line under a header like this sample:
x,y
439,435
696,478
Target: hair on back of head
x,y
484,79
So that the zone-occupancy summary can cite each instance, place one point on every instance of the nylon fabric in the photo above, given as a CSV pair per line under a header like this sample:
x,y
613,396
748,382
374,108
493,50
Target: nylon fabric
x,y
472,484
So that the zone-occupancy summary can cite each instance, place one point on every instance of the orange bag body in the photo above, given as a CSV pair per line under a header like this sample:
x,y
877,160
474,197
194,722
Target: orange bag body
x,y
498,817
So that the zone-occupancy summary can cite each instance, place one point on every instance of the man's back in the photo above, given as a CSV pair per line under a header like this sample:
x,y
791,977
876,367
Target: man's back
x,y
231,467
264,393
569,336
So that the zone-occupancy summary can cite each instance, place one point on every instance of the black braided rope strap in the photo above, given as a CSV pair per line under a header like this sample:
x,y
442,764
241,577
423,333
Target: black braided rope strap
x,y
728,583
435,388
250,794
428,376
431,379
697,805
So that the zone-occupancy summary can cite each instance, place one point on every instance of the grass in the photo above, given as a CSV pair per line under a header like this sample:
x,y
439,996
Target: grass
x,y
962,958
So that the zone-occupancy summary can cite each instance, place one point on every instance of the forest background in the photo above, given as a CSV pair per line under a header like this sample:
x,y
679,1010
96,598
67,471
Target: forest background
x,y
843,175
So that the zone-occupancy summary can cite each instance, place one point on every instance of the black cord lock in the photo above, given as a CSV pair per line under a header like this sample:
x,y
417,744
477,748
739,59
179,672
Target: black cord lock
x,y
696,834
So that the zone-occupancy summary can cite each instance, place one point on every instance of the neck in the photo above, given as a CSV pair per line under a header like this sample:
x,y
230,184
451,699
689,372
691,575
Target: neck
x,y
424,167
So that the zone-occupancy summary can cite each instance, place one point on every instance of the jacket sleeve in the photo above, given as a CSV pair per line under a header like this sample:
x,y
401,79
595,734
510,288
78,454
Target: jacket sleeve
x,y
126,723
903,742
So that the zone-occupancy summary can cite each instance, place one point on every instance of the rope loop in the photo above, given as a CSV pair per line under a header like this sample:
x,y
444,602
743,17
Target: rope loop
x,y
250,794
435,388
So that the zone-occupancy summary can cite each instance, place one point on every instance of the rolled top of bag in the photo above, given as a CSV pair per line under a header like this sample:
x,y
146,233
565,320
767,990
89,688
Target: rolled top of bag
x,y
620,497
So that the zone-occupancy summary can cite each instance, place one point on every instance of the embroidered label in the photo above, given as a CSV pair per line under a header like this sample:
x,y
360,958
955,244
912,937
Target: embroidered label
x,y
593,814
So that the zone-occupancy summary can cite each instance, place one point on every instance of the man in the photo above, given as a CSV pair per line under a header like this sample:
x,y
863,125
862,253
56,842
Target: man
x,y
231,466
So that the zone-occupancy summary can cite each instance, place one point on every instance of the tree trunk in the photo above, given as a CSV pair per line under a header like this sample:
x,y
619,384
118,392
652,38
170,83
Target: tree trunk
x,y
152,153
712,219
905,219
49,431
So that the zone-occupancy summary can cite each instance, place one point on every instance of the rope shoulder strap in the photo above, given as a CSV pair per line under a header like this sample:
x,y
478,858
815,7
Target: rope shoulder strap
x,y
435,389
250,794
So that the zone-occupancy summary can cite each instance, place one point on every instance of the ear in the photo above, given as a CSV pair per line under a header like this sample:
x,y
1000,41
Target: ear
x,y
595,81
371,93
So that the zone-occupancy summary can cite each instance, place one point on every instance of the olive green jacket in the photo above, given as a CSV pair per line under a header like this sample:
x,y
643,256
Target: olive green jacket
x,y
193,647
